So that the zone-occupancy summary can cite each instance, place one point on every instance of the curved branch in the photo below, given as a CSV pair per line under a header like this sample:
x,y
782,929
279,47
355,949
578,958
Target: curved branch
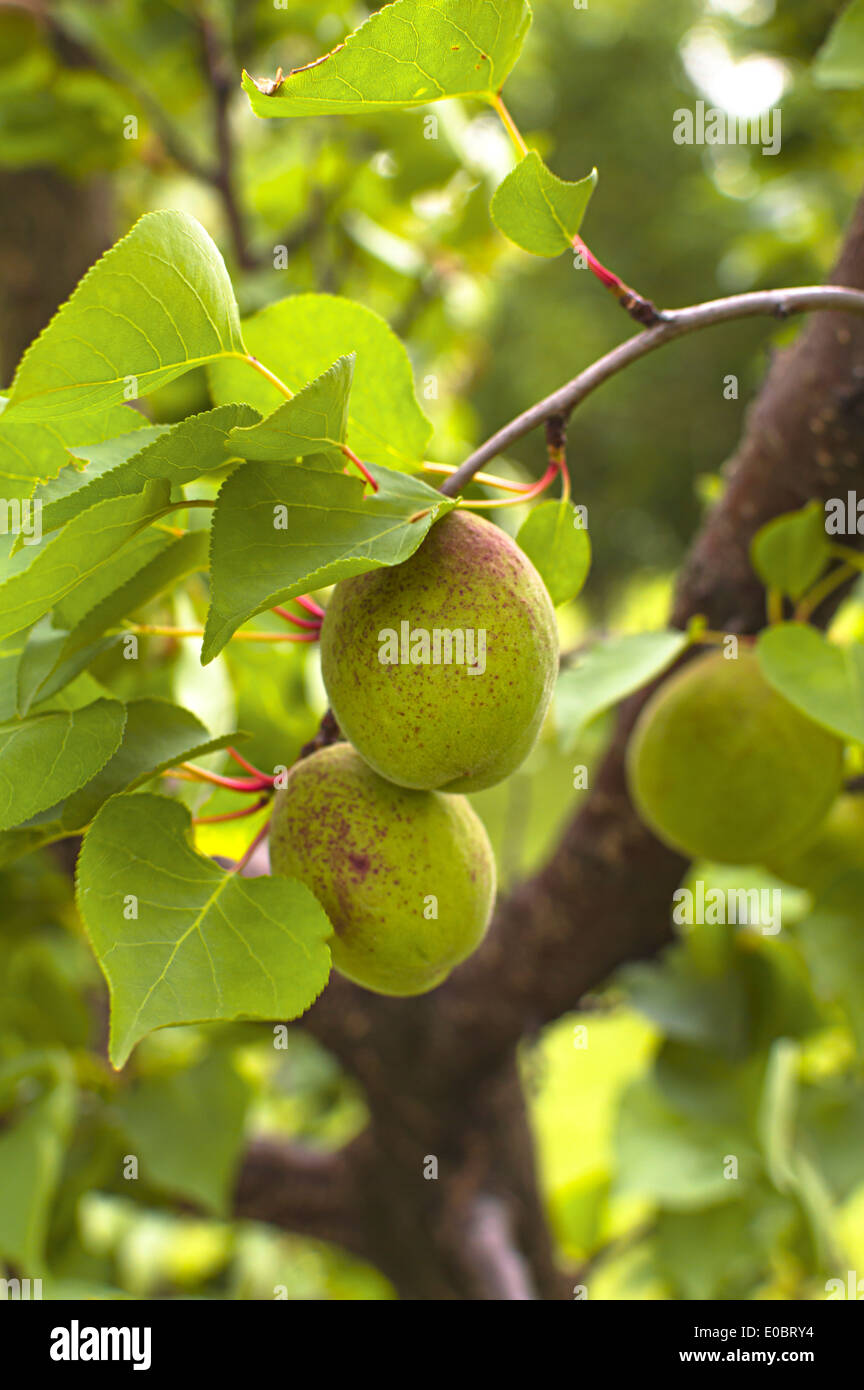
x,y
497,1266
675,324
300,1190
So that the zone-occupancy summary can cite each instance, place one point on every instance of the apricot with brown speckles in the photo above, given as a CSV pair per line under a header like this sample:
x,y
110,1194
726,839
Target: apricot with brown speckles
x,y
407,878
418,719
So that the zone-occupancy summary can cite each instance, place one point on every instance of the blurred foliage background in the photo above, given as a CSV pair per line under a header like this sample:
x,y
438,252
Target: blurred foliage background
x,y
110,109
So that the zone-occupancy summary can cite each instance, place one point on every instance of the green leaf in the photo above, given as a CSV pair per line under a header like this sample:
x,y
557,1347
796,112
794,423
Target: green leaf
x,y
610,671
77,555
833,945
157,736
172,562
688,1003
156,304
313,421
205,945
305,529
674,1158
407,54
300,338
179,454
31,1158
559,547
823,681
790,552
537,210
44,758
186,1129
11,652
33,452
44,668
840,60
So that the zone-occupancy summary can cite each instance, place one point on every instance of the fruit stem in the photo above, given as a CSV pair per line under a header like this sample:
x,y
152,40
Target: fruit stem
x,y
310,605
250,767
311,624
259,783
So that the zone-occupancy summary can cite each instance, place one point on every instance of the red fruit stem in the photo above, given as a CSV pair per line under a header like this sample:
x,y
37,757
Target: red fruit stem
x,y
310,605
234,784
250,767
310,624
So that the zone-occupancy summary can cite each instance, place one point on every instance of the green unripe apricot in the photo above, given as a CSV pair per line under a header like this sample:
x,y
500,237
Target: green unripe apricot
x,y
407,878
426,723
816,860
722,767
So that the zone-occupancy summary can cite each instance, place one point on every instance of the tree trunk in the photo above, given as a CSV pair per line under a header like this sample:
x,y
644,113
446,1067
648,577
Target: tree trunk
x,y
51,231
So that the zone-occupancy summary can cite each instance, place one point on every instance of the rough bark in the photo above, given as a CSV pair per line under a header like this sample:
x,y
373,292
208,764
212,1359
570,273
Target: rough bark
x,y
440,1072
51,232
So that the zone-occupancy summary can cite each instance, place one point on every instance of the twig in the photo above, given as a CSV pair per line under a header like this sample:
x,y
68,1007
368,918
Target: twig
x,y
499,1267
677,323
222,176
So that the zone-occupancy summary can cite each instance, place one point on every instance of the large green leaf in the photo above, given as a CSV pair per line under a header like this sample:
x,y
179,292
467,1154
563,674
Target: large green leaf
x,y
156,304
279,532
833,945
44,758
315,421
675,1158
300,338
840,60
610,671
790,552
181,941
179,454
31,1156
537,210
407,54
158,735
824,681
36,451
78,554
173,561
559,548
186,1130
45,668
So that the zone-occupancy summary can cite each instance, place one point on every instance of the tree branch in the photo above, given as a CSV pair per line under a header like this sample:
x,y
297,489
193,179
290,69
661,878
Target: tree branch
x,y
300,1190
675,324
500,1270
